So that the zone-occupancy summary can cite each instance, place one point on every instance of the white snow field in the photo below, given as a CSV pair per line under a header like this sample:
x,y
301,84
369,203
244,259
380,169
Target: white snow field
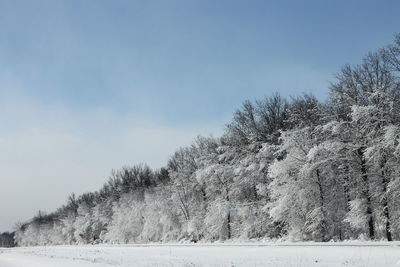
x,y
194,255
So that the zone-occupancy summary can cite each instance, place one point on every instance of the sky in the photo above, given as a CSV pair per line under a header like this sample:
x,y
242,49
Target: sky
x,y
90,86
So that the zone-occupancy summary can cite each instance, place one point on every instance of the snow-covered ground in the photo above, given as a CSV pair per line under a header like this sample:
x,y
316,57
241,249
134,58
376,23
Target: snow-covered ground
x,y
221,255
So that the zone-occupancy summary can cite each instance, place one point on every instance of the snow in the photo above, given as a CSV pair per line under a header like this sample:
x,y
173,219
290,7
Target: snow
x,y
219,255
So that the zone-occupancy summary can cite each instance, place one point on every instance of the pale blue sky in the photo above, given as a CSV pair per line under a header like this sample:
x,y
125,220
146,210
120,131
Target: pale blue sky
x,y
90,85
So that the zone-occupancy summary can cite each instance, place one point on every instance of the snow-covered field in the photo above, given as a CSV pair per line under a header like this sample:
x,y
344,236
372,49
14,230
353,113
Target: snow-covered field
x,y
221,255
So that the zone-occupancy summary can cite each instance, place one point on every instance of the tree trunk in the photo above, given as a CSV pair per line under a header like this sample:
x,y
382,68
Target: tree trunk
x,y
228,219
366,193
321,200
385,200
344,234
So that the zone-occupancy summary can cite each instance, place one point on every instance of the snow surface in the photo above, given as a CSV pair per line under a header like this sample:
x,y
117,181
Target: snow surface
x,y
193,255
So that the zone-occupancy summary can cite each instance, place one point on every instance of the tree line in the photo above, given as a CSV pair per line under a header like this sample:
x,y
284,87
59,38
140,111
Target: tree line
x,y
296,169
7,240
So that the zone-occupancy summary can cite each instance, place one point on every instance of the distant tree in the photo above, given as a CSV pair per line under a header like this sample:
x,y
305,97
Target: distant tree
x,y
7,239
259,121
391,54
